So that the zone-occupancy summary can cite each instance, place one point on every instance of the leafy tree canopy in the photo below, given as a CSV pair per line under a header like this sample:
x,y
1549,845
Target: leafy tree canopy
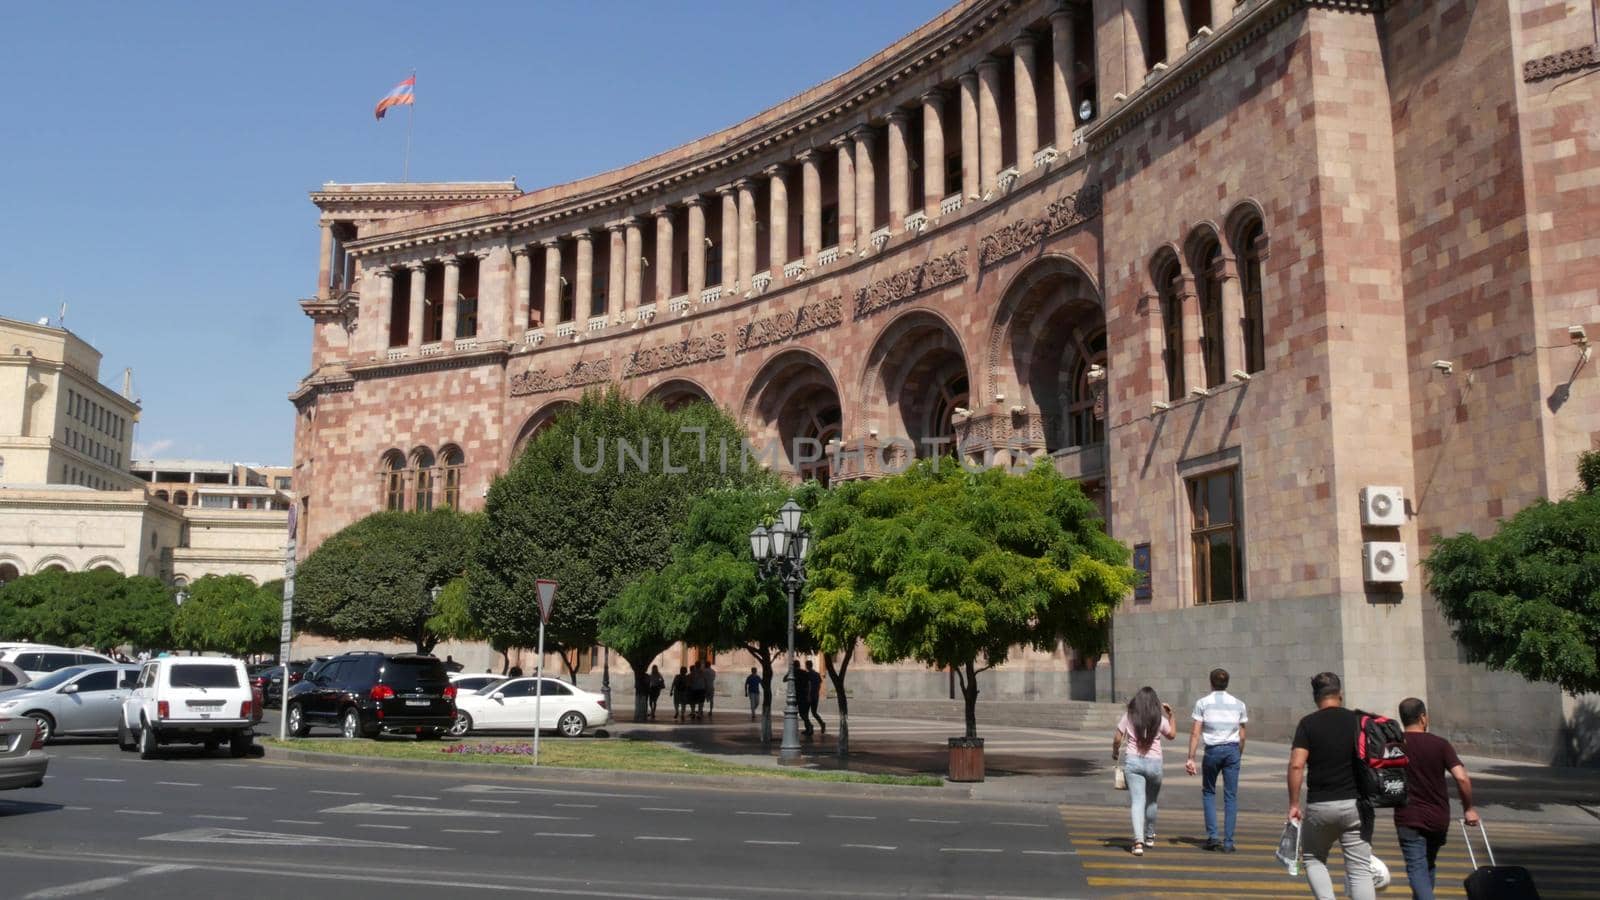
x,y
100,608
374,579
954,568
595,502
1527,599
229,614
451,619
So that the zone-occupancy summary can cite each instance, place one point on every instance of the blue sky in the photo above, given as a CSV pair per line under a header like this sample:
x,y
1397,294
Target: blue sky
x,y
155,158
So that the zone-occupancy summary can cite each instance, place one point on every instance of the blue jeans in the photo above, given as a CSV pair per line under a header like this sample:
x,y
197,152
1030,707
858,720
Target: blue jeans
x,y
1220,759
1421,851
1144,786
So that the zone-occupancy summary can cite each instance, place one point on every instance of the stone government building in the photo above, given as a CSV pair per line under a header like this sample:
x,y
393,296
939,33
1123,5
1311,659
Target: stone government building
x,y
1293,288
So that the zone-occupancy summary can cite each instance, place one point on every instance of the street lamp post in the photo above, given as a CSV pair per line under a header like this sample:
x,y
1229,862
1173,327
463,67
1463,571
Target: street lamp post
x,y
780,552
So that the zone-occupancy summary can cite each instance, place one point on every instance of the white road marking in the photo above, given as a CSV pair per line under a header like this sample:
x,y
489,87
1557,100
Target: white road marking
x,y
390,827
1022,824
655,837
252,787
871,846
499,802
139,812
97,885
180,783
413,812
274,839
862,818
746,812
775,843
297,821
220,818
472,830
935,821
510,789
1049,853
664,809
339,793
579,805
78,808
564,834
113,780
413,797
971,850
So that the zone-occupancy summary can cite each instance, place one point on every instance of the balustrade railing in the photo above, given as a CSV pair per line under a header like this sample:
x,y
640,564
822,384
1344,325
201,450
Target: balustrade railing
x,y
950,204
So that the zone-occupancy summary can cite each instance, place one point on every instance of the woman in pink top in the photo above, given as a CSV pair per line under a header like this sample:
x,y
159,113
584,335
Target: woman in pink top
x,y
1142,727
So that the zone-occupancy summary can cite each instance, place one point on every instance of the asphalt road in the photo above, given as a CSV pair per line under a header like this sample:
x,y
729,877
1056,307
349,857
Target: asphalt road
x,y
108,824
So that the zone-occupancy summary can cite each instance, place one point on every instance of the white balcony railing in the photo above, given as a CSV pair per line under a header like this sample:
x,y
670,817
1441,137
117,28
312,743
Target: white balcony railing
x,y
394,353
1078,136
645,313
1008,178
711,294
678,303
466,343
597,323
760,281
533,337
880,238
916,222
827,256
434,349
950,204
567,329
1044,157
793,270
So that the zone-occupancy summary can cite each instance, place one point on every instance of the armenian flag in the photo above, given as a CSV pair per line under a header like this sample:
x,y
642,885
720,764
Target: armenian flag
x,y
401,95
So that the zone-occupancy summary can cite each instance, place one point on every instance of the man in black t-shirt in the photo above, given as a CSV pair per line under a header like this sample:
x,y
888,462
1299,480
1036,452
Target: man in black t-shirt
x,y
1325,741
1425,819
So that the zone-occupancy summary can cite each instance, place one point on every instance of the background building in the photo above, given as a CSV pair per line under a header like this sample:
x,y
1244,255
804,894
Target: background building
x,y
1241,268
235,515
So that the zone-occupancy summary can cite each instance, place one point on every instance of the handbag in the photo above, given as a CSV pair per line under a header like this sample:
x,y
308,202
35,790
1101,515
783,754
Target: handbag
x,y
1119,779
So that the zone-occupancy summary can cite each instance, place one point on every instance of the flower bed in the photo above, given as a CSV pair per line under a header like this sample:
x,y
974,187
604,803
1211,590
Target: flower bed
x,y
522,749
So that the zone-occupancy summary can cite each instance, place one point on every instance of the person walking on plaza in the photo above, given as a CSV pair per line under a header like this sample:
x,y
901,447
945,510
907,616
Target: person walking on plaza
x,y
1325,741
1146,721
680,694
752,691
653,688
1219,721
814,698
802,694
708,677
697,690
1423,822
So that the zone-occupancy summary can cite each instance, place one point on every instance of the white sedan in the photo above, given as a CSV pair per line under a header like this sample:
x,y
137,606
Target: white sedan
x,y
509,706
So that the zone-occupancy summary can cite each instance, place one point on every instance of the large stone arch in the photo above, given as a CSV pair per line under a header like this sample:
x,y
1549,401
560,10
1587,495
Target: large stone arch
x,y
1047,354
793,400
53,561
675,392
915,379
104,562
539,421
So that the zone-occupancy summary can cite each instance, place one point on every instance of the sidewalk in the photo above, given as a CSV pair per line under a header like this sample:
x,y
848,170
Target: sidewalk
x,y
1049,765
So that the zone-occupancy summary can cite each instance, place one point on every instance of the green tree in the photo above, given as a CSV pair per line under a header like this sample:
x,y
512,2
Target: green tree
x,y
229,614
955,568
1527,599
374,579
640,624
452,619
100,608
595,502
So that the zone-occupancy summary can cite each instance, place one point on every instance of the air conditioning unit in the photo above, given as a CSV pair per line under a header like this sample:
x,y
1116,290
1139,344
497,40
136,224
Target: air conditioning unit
x,y
1384,562
1382,505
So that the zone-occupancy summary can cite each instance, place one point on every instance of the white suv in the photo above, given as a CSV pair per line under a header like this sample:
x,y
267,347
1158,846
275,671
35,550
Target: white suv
x,y
188,700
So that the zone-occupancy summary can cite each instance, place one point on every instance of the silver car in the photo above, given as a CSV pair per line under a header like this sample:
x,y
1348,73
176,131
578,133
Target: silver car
x,y
22,762
76,700
12,677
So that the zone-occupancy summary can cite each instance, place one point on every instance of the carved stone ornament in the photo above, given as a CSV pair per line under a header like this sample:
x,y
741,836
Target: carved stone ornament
x,y
1013,238
902,286
541,381
1559,63
785,325
678,353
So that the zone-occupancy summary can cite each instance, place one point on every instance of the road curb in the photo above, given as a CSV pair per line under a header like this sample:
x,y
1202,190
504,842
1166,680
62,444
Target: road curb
x,y
616,778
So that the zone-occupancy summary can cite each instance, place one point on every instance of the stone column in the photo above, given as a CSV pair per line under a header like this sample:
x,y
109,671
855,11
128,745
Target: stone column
x,y
352,271
1063,57
899,172
522,286
336,269
663,260
810,207
583,275
325,261
552,284
450,298
697,248
616,281
1233,353
1133,47
989,124
730,238
932,152
633,278
419,278
1177,17
777,221
1025,102
847,195
385,301
747,232
1194,358
971,164
866,189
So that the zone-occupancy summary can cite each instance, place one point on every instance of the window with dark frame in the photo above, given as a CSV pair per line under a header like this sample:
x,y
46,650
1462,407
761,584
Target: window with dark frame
x,y
1218,556
1172,330
1255,350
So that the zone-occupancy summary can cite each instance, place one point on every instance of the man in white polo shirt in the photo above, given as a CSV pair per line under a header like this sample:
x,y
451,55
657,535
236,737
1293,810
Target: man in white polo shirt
x,y
1219,719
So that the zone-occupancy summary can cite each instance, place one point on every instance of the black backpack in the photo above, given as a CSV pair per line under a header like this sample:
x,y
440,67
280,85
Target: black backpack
x,y
1381,761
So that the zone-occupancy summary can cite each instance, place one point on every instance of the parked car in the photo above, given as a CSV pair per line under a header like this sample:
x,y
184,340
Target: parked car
x,y
12,677
366,693
39,660
510,705
270,680
77,700
22,758
473,683
189,700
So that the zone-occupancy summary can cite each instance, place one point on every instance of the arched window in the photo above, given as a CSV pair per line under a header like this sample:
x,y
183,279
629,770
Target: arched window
x,y
181,498
8,573
940,431
162,496
452,461
1208,263
1085,404
422,462
392,481
1167,275
1251,250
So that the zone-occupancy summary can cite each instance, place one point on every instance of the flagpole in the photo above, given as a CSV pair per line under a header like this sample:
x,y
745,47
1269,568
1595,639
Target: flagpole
x,y
411,116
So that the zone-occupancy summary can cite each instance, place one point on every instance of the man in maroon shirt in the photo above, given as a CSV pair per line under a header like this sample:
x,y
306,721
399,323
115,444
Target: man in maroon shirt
x,y
1424,821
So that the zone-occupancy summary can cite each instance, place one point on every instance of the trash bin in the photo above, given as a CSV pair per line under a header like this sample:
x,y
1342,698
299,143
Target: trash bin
x,y
966,759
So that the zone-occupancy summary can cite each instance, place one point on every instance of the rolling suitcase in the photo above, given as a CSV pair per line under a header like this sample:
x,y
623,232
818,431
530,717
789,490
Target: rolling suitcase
x,y
1494,882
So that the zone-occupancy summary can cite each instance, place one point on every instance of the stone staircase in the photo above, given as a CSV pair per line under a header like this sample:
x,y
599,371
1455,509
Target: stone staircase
x,y
1058,715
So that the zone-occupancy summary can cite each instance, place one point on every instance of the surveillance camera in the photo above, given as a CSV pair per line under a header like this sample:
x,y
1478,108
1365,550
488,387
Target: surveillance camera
x,y
999,398
1444,365
1018,410
1241,375
872,432
1577,334
1160,406
1199,392
962,411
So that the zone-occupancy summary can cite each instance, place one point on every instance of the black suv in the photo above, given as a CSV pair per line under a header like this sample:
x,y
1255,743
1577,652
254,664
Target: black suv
x,y
365,693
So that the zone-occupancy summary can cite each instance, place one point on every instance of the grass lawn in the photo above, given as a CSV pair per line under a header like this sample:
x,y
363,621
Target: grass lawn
x,y
611,753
